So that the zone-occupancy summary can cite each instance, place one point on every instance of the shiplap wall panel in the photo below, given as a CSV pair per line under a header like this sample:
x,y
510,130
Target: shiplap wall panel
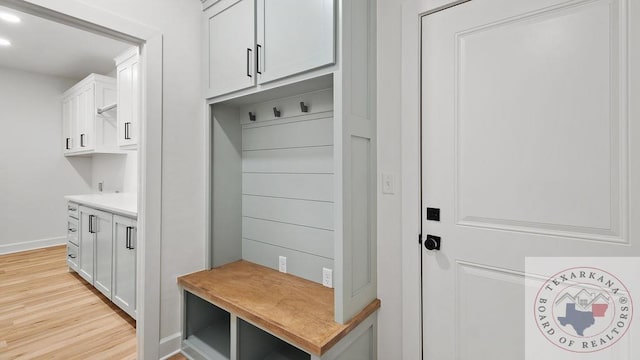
x,y
298,263
315,214
288,184
313,160
317,187
317,132
295,237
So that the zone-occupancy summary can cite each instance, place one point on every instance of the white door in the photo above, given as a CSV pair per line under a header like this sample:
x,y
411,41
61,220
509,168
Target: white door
x,y
527,150
231,54
87,243
124,262
294,36
103,230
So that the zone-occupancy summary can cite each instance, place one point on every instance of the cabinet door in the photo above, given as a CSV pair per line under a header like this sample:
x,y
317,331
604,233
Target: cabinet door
x,y
74,110
86,118
67,129
124,264
87,239
230,30
128,102
104,251
294,36
72,256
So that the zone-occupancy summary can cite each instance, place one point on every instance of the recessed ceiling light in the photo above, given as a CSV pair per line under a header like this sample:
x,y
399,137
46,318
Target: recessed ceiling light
x,y
4,42
9,18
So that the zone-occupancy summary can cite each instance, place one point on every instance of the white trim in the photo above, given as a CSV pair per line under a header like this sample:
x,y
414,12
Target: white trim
x,y
169,344
410,154
86,17
32,245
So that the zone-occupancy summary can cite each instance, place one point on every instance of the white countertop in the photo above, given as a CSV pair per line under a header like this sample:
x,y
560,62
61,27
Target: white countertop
x,y
120,203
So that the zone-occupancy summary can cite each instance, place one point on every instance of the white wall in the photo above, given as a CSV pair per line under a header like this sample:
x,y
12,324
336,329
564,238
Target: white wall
x,y
116,172
183,188
34,175
389,162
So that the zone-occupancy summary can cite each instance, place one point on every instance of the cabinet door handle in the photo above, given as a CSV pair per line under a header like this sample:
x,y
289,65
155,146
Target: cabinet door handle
x,y
67,146
72,256
127,136
82,136
127,237
129,242
92,230
249,62
72,230
258,59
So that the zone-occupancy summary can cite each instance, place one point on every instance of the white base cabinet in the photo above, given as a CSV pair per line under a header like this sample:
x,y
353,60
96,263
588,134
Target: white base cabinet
x,y
124,264
105,254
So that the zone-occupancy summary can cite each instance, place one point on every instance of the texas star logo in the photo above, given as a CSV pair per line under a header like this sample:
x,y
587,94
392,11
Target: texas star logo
x,y
583,309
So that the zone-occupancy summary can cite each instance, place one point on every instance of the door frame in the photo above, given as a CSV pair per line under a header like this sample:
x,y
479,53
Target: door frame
x,y
149,40
411,152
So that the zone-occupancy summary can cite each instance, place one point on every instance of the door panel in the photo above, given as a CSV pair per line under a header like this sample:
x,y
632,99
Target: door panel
x,y
124,262
526,144
231,35
87,241
104,252
294,36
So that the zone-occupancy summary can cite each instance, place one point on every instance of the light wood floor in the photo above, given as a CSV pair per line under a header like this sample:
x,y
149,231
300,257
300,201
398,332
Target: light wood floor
x,y
47,312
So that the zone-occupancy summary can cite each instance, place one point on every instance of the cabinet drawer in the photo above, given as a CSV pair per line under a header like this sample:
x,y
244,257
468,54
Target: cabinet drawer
x,y
72,210
72,230
72,256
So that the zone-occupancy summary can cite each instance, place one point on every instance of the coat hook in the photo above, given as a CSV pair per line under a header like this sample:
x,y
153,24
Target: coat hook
x,y
252,116
303,107
276,112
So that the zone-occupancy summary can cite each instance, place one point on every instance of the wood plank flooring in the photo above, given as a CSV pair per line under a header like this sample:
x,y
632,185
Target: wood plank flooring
x,y
47,312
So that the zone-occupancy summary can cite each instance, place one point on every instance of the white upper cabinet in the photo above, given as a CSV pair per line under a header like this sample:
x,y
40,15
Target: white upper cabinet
x,y
85,131
294,36
249,42
230,52
129,96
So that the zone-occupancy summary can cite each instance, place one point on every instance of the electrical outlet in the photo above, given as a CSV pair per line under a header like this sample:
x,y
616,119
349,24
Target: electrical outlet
x,y
282,264
327,277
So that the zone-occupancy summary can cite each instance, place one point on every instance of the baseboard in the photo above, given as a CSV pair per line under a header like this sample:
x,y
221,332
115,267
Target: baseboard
x,y
170,345
32,245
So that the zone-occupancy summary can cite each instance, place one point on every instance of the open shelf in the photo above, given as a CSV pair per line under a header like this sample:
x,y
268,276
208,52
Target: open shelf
x,y
264,346
208,329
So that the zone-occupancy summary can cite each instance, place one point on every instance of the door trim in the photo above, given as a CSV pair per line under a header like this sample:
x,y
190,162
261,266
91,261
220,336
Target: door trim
x,y
86,17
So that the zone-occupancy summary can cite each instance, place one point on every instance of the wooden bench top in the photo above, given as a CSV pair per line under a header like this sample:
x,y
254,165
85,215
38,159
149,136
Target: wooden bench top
x,y
297,310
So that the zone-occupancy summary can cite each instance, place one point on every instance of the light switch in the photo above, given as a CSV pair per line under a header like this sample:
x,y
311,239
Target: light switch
x,y
388,184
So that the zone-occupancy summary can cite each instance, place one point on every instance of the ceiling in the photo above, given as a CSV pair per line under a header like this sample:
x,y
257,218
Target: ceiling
x,y
46,47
